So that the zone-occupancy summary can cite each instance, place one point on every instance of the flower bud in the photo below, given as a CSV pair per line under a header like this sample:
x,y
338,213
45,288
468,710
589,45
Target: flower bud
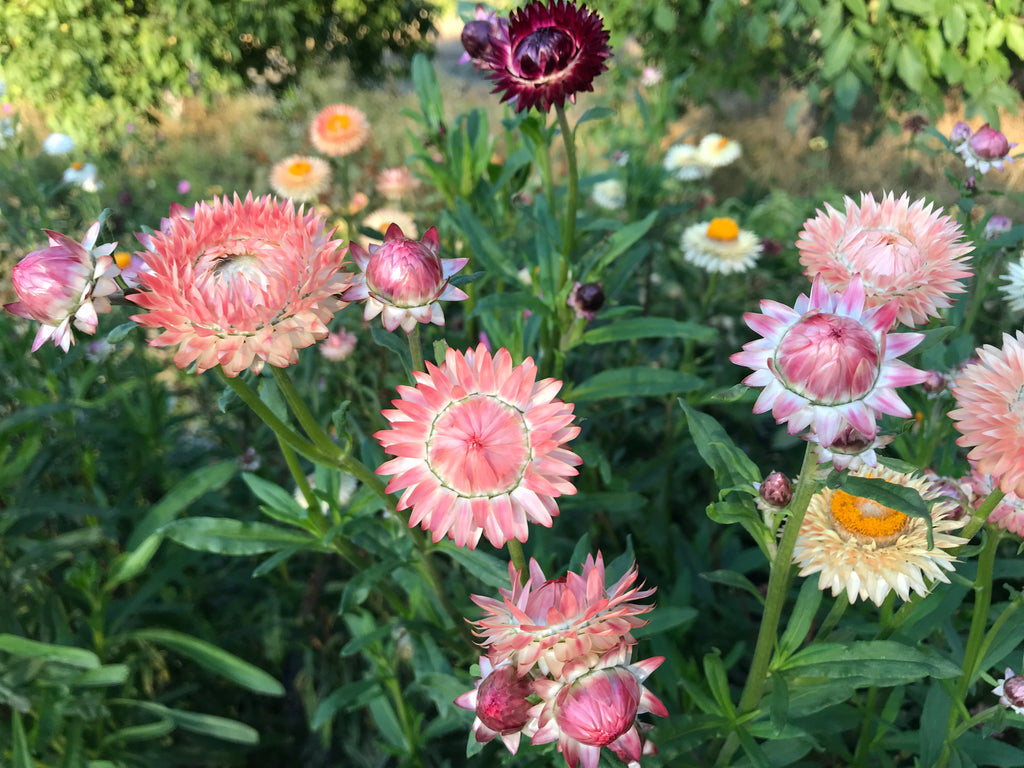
x,y
777,489
501,700
476,39
989,143
404,273
1011,691
586,299
961,132
996,226
599,707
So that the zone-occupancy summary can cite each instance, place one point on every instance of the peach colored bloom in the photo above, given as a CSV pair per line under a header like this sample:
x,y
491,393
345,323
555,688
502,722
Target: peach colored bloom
x,y
241,284
547,623
396,183
479,447
339,130
499,700
990,416
902,252
63,285
300,177
595,706
404,279
828,363
338,346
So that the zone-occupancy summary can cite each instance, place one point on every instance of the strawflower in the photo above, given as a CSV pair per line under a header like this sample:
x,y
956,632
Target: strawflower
x,y
63,285
720,246
83,175
552,52
1008,514
404,280
717,151
300,177
828,362
338,345
1012,287
240,283
1010,691
996,225
396,183
684,162
476,37
548,623
609,194
339,130
902,252
499,700
856,544
990,416
58,144
986,149
480,448
586,299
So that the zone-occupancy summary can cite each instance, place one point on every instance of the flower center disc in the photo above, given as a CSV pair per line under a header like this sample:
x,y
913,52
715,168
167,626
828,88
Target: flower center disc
x,y
544,52
829,359
300,168
479,446
723,229
866,519
338,123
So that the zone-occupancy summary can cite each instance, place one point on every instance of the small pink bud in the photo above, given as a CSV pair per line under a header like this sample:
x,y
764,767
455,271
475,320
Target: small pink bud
x,y
586,299
777,489
501,700
50,282
599,707
961,131
405,273
989,144
935,382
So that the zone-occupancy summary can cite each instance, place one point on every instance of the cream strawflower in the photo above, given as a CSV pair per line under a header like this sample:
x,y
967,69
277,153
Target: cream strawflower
x,y
339,130
547,623
300,177
480,448
240,283
1013,287
684,162
382,218
990,416
828,363
855,544
720,246
716,151
609,194
902,252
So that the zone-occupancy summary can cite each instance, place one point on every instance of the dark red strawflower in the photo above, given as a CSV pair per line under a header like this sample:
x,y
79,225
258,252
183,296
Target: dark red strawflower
x,y
552,52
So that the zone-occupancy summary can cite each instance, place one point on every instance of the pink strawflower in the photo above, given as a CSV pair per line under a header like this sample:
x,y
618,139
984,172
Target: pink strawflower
x,y
850,449
902,252
477,34
551,52
338,346
480,448
828,363
240,283
547,623
500,702
986,149
404,279
1010,691
1008,513
961,132
990,416
651,76
996,226
595,706
339,130
396,183
63,285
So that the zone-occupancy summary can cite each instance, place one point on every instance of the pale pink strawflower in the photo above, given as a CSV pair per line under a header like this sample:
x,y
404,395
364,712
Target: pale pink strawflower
x,y
996,226
1010,691
595,706
396,183
64,285
828,363
986,149
240,283
480,448
547,623
902,251
339,130
500,703
990,416
961,132
404,280
338,345
300,177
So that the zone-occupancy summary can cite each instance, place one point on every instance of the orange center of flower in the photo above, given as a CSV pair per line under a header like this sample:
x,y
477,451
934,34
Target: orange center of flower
x,y
122,259
721,144
723,229
78,165
339,123
866,519
299,168
479,446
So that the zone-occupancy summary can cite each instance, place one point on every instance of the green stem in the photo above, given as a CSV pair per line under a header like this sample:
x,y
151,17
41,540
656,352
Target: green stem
x,y
835,613
569,222
981,514
864,741
415,348
515,553
298,406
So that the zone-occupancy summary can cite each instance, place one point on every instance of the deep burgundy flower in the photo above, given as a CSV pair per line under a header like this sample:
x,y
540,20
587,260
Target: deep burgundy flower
x,y
551,53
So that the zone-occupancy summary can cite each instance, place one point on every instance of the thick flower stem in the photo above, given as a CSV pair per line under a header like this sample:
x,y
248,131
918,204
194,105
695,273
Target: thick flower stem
x,y
981,514
569,222
298,406
778,589
415,348
515,553
866,730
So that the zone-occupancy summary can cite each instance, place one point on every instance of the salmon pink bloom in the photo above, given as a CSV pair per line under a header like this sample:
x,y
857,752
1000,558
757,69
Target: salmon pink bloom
x,y
990,416
64,285
300,177
501,705
591,707
550,53
339,130
240,283
902,252
404,279
548,623
338,346
480,448
828,363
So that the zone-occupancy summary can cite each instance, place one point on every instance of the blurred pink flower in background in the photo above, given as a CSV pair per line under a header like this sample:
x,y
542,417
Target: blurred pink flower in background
x,y
300,177
983,149
396,183
338,345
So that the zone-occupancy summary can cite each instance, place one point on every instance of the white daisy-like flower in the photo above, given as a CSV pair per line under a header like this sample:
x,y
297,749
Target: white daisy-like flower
x,y
1013,286
683,162
58,144
1011,691
720,246
716,151
609,194
83,175
855,544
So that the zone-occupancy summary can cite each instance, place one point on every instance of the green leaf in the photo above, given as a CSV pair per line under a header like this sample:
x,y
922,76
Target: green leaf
x,y
618,243
227,536
594,113
647,328
954,25
733,579
60,654
779,702
637,381
801,619
387,722
214,659
20,755
910,67
280,505
490,255
873,662
836,56
384,338
1015,39
221,728
108,674
732,467
489,569
349,698
175,501
120,333
899,497
718,682
663,618
155,730
128,565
